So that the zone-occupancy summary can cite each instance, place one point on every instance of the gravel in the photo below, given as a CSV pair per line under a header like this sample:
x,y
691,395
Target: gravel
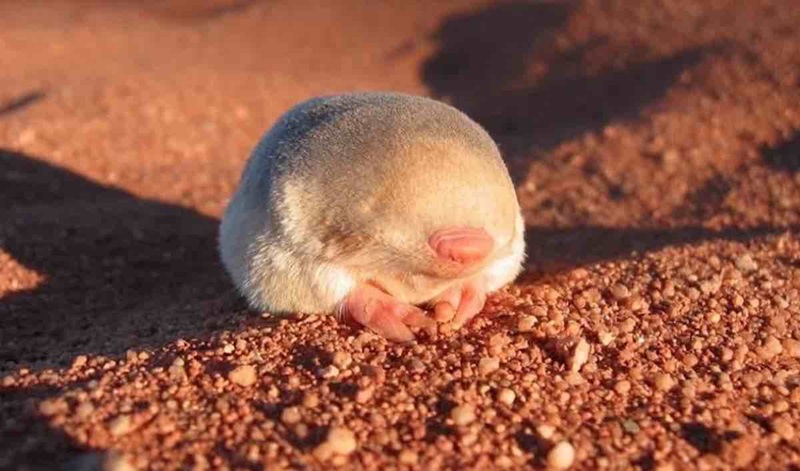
x,y
654,148
488,365
506,396
244,375
341,441
561,456
120,425
463,414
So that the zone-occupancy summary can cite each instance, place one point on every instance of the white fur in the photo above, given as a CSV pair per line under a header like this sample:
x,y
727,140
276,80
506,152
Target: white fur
x,y
347,189
503,270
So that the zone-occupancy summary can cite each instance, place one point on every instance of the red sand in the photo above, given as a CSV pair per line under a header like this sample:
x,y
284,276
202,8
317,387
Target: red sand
x,y
655,148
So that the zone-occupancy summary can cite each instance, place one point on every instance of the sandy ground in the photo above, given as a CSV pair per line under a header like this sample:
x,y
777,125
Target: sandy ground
x,y
655,146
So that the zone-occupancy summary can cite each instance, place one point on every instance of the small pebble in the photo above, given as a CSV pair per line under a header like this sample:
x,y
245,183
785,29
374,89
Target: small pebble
x,y
770,348
329,372
792,347
664,382
341,441
408,457
374,372
690,360
783,428
416,365
605,338
579,273
488,365
84,410
561,456
746,263
342,360
310,400
79,361
463,414
364,395
526,323
244,375
120,425
290,416
670,157
741,451
580,355
619,291
51,407
499,340
630,426
323,452
546,431
176,371
506,396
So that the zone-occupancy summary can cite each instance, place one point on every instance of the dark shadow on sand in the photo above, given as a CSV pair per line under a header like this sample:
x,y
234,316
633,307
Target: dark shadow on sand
x,y
503,66
21,102
118,271
559,249
784,156
21,423
197,10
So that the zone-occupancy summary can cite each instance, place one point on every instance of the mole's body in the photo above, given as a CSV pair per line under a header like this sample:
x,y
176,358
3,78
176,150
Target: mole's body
x,y
368,204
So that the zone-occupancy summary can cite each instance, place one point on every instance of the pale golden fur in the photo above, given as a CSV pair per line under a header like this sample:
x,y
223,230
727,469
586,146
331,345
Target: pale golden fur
x,y
348,188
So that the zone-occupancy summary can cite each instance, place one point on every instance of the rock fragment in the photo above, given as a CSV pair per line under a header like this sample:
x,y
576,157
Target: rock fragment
x,y
746,263
329,372
622,386
771,348
341,441
580,355
488,365
506,396
408,457
244,375
290,416
561,456
664,382
342,360
784,428
120,425
792,347
463,414
619,291
526,323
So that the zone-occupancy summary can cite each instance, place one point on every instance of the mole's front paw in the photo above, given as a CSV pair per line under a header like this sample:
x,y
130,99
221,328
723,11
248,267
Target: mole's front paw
x,y
383,314
460,303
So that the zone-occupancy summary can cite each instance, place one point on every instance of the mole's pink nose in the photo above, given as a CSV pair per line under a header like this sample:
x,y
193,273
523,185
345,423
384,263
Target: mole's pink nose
x,y
465,245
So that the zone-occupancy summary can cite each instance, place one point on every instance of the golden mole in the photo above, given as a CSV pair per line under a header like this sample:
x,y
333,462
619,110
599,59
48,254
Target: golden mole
x,y
368,205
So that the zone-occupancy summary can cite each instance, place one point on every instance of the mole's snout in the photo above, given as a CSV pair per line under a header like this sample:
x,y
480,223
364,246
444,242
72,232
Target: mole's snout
x,y
464,245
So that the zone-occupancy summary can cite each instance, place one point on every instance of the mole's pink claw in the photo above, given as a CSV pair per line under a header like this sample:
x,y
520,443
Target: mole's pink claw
x,y
460,303
383,314
473,298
